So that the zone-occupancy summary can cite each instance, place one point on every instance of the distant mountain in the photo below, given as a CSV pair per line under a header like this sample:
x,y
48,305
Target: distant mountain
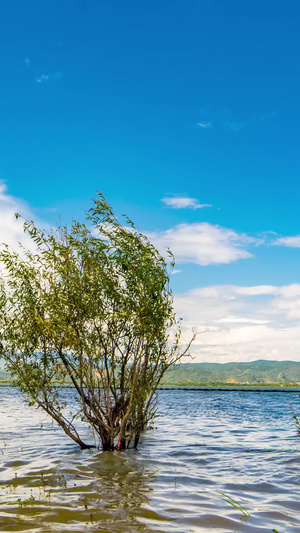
x,y
263,372
267,372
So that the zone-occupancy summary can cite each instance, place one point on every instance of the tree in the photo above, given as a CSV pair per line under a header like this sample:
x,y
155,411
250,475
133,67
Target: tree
x,y
90,306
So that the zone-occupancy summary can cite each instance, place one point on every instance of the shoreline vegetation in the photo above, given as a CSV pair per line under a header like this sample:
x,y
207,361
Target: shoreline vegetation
x,y
199,386
231,386
261,374
205,386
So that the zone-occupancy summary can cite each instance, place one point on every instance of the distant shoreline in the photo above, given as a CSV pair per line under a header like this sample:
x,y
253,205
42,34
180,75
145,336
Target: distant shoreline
x,y
227,385
242,387
237,388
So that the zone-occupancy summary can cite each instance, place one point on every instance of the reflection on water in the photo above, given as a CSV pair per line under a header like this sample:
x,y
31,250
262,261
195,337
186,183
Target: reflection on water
x,y
243,444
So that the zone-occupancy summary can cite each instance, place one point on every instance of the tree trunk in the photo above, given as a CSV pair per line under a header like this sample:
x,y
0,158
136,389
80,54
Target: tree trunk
x,y
121,445
84,446
136,440
107,441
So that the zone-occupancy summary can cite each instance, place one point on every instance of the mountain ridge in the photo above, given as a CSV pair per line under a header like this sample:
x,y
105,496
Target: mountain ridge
x,y
234,373
260,371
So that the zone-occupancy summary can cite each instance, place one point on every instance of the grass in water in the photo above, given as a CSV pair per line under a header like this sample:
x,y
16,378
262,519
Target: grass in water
x,y
295,417
234,504
24,503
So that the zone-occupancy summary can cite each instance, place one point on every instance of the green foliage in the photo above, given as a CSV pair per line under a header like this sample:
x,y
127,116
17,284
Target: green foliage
x,y
90,305
296,418
234,504
286,373
23,503
297,422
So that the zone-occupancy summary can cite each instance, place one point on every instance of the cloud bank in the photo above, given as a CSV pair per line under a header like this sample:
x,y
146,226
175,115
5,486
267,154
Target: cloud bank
x,y
289,242
11,230
203,243
242,323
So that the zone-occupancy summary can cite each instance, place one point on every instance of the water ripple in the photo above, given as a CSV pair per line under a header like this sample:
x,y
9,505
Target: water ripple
x,y
208,449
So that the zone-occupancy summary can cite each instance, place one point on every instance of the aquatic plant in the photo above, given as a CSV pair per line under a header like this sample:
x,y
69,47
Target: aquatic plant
x,y
23,503
90,306
234,504
296,418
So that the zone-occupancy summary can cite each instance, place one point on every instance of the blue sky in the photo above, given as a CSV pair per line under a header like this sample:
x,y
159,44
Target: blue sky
x,y
166,106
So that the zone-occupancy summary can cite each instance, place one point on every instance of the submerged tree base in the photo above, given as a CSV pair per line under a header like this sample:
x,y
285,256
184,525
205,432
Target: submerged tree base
x,y
87,446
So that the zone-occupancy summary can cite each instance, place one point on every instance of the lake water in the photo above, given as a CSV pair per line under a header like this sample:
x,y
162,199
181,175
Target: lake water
x,y
242,444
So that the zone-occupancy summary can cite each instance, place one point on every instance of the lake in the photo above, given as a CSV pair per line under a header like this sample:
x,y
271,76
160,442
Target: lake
x,y
241,444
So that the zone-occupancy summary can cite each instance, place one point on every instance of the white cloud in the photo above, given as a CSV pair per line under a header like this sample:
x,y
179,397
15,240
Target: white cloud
x,y
226,120
48,77
242,323
257,290
241,320
27,62
175,271
183,202
43,78
203,243
290,242
204,125
11,229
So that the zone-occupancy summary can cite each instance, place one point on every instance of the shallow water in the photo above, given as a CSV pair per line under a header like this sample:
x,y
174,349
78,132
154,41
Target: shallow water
x,y
241,444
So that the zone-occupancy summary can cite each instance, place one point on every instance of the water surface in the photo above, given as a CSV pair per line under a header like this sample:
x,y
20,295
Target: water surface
x,y
241,444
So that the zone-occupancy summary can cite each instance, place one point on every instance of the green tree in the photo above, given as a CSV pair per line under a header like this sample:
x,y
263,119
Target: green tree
x,y
91,305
